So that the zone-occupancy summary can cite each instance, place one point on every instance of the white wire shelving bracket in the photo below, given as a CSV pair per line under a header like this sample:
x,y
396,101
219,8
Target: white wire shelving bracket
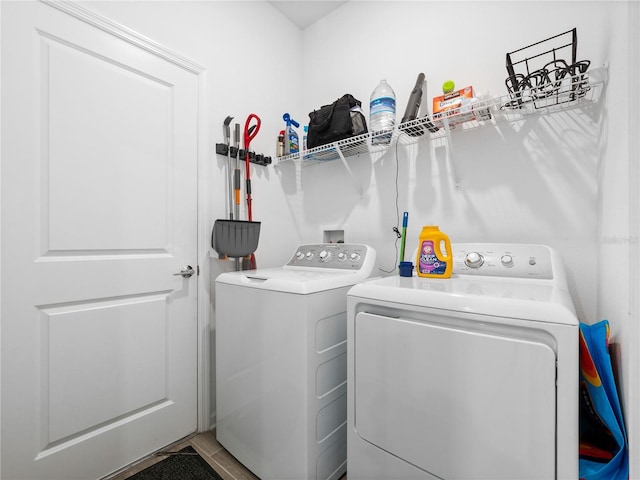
x,y
566,93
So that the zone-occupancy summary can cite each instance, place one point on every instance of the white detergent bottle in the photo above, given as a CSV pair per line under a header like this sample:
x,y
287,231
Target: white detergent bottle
x,y
291,141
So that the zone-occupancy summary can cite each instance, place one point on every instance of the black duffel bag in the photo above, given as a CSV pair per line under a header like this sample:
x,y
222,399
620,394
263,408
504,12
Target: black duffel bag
x,y
342,119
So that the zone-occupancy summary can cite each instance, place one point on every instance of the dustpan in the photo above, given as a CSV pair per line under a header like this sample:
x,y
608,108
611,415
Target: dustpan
x,y
235,238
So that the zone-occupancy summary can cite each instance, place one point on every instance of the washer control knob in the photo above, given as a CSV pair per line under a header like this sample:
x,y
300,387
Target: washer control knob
x,y
309,255
507,261
299,255
473,260
342,256
324,255
354,257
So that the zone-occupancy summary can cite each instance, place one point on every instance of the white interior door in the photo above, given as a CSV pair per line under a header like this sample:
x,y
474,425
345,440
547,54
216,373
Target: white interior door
x,y
99,211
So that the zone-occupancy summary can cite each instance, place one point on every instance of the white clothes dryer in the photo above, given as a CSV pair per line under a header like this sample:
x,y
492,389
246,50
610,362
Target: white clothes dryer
x,y
473,377
281,362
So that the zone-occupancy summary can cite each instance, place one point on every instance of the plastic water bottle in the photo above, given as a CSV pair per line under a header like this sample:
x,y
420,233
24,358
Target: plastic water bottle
x,y
304,137
382,113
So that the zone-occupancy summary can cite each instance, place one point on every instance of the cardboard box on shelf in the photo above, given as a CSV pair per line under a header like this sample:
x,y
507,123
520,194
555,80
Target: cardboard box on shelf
x,y
457,107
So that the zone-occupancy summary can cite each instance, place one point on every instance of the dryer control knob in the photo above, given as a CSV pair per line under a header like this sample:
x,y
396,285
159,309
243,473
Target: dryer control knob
x,y
342,256
299,255
354,257
507,261
324,255
309,255
473,260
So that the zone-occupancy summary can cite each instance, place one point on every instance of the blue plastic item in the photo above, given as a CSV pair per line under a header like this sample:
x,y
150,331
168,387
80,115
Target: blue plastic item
x,y
291,141
406,269
603,438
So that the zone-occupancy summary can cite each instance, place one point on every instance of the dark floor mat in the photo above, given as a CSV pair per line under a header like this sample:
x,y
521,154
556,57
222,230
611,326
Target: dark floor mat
x,y
183,465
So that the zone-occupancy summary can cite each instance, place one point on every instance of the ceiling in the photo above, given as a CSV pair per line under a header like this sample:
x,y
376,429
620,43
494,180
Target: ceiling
x,y
305,12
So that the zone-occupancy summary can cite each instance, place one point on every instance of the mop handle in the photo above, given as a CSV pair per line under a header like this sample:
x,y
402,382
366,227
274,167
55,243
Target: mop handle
x,y
227,138
236,173
405,221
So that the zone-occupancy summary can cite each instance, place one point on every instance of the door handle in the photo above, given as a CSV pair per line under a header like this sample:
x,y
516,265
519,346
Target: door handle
x,y
186,271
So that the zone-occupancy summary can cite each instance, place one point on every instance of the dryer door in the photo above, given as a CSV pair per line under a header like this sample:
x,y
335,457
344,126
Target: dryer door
x,y
468,401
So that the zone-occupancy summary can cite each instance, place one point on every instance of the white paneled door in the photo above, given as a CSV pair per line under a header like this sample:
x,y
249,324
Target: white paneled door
x,y
99,217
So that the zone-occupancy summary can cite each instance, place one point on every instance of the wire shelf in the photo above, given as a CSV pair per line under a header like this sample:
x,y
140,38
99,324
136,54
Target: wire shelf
x,y
561,94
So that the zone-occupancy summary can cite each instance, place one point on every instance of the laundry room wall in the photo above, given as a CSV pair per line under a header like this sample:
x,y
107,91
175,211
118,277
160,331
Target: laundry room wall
x,y
535,181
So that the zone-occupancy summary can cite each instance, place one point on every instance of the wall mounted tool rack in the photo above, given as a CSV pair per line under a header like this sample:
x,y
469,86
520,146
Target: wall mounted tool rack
x,y
567,93
255,158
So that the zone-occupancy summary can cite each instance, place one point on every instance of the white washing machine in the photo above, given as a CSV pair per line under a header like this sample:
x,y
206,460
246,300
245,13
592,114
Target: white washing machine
x,y
473,377
281,362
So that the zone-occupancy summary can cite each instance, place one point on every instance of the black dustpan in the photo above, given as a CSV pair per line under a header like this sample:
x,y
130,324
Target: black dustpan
x,y
235,238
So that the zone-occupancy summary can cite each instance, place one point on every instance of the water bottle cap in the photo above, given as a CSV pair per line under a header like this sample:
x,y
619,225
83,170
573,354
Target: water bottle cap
x,y
448,86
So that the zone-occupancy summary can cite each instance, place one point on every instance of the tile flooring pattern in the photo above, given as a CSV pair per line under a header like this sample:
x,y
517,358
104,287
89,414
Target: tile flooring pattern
x,y
208,447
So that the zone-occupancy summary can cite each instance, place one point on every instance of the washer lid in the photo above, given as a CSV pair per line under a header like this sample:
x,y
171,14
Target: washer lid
x,y
528,299
300,281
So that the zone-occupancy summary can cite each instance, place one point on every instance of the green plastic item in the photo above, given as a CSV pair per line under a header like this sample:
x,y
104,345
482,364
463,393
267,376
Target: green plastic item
x,y
448,86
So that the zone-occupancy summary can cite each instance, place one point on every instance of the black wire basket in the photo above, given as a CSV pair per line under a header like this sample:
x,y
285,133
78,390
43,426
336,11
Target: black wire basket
x,y
547,72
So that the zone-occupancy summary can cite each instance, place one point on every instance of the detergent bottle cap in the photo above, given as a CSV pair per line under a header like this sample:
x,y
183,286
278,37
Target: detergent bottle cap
x,y
290,121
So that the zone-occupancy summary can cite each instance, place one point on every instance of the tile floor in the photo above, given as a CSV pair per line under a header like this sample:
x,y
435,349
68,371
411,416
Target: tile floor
x,y
208,447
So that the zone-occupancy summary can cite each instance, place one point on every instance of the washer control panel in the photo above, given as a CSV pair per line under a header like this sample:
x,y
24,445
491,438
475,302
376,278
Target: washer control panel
x,y
503,260
345,256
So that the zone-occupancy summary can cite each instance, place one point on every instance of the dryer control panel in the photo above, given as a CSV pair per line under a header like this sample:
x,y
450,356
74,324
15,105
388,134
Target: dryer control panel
x,y
505,260
344,256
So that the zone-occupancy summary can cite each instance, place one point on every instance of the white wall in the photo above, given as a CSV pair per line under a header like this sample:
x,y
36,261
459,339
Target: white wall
x,y
540,181
531,182
629,327
561,179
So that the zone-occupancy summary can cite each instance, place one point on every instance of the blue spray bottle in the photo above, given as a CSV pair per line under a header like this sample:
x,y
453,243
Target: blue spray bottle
x,y
291,142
